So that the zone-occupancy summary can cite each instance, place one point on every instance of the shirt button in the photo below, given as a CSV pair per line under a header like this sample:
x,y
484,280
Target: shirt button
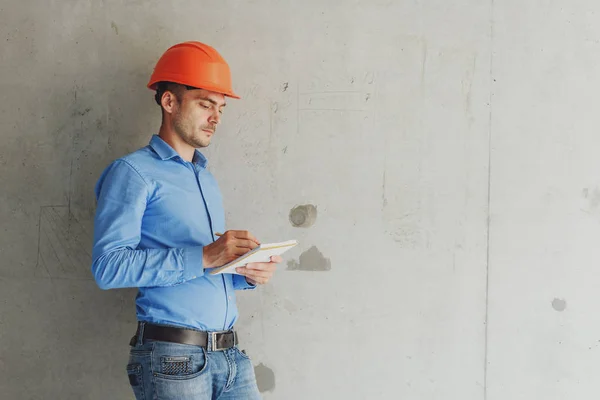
x,y
229,297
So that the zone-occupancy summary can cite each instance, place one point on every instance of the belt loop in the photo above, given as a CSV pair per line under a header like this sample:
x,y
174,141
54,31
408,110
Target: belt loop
x,y
210,341
140,334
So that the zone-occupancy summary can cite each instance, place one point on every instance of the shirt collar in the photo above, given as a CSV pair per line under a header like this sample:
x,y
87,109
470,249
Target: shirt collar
x,y
166,152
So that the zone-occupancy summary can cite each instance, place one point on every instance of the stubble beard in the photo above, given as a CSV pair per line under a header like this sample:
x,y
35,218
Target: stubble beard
x,y
186,133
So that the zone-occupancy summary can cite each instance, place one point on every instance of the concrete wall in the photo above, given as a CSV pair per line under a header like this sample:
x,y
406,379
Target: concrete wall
x,y
449,148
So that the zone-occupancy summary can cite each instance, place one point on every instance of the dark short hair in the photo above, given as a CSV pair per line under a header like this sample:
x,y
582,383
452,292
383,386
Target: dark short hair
x,y
163,86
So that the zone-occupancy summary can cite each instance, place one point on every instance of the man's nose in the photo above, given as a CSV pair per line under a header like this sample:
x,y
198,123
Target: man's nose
x,y
215,118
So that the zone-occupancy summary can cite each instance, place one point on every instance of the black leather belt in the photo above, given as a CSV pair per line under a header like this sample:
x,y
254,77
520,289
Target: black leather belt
x,y
217,340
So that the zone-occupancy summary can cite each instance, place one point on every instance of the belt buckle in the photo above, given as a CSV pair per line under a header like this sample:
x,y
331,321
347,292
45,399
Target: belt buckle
x,y
212,337
214,342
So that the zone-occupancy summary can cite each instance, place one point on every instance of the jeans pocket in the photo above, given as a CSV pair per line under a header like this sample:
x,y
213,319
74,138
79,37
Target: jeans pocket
x,y
182,376
242,353
180,367
136,380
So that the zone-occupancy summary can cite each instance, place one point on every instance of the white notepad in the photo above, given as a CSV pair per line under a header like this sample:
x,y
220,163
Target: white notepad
x,y
262,253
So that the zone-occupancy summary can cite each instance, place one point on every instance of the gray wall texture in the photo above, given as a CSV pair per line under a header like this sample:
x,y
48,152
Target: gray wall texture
x,y
449,149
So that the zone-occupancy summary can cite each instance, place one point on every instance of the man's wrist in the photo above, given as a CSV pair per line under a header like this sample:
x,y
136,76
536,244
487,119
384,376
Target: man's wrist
x,y
206,263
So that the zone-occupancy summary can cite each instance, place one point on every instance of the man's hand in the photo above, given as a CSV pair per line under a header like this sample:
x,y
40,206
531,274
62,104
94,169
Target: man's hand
x,y
259,273
228,247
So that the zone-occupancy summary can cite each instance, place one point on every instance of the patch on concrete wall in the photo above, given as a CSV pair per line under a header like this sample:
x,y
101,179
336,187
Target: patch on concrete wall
x,y
64,246
591,199
265,378
303,216
311,260
559,305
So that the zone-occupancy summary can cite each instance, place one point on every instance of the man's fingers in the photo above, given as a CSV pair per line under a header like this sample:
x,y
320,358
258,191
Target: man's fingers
x,y
239,251
262,266
255,274
245,244
244,235
257,281
261,277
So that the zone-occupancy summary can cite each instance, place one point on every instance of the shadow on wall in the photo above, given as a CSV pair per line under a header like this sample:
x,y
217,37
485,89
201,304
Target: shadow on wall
x,y
94,122
80,333
78,100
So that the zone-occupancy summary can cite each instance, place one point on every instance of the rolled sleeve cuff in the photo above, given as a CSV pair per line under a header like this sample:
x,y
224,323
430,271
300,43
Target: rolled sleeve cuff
x,y
192,263
240,283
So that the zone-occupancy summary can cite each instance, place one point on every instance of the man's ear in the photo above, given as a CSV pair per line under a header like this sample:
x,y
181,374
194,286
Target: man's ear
x,y
168,101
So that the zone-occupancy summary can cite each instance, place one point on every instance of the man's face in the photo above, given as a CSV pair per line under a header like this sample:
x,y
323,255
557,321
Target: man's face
x,y
196,116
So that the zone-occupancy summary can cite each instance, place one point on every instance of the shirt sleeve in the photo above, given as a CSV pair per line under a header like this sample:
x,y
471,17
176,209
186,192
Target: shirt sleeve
x,y
122,194
240,283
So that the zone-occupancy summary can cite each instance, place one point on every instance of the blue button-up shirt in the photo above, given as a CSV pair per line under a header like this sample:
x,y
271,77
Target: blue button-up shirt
x,y
155,212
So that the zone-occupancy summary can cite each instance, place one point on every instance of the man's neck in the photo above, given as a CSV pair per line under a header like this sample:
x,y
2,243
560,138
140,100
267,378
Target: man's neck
x,y
172,139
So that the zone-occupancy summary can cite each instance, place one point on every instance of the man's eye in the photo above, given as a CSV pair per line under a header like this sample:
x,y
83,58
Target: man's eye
x,y
204,106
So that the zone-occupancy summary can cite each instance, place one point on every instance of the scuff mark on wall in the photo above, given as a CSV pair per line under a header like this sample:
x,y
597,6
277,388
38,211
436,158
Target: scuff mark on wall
x,y
311,260
63,249
405,229
593,197
289,306
303,216
559,305
468,88
81,113
265,378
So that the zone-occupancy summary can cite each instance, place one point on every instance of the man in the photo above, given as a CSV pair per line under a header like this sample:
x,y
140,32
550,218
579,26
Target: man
x,y
158,213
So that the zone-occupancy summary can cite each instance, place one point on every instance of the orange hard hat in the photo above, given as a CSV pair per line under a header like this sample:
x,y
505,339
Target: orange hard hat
x,y
193,64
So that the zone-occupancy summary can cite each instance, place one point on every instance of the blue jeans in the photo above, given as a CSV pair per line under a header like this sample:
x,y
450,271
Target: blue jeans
x,y
171,371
